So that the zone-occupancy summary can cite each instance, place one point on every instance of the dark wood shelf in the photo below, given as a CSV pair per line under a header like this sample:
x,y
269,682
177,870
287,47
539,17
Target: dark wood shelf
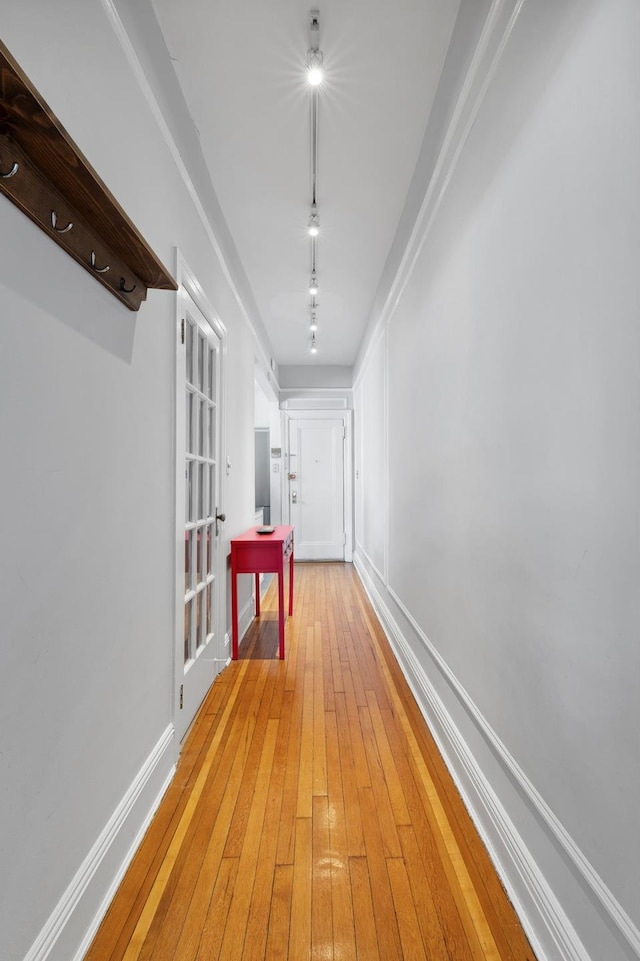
x,y
44,173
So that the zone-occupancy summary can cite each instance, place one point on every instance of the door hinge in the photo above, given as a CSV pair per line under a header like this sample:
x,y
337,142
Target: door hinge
x,y
182,331
181,696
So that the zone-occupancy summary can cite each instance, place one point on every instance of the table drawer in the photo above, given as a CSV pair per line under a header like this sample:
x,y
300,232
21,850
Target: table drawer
x,y
288,547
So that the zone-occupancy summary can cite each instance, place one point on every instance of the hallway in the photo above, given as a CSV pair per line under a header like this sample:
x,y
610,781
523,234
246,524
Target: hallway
x,y
311,815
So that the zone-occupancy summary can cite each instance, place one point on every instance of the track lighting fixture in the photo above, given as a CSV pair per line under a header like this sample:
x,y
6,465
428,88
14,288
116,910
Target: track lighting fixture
x,y
314,222
315,72
315,68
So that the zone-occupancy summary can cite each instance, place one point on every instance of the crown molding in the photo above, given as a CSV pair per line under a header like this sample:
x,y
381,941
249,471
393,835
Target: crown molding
x,y
482,67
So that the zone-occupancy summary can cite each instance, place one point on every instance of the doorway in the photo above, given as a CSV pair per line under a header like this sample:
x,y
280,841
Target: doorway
x,y
318,489
199,497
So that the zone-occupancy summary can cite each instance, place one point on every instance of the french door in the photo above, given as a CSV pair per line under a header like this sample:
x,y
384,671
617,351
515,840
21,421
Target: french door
x,y
199,645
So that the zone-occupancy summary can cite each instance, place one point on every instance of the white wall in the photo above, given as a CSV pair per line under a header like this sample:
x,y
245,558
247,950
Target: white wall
x,y
510,372
314,376
86,434
371,459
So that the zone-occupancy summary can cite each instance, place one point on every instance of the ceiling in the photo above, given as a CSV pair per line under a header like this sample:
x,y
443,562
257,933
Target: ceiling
x,y
240,64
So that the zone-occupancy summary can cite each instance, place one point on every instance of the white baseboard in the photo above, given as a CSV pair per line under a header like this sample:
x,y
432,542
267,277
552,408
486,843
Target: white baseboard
x,y
246,617
595,926
74,921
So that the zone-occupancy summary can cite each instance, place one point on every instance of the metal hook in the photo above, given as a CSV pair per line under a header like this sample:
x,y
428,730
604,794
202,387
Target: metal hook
x,y
59,230
13,171
98,270
126,290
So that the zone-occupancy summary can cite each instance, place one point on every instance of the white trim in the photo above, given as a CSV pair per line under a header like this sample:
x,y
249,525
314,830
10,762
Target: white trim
x,y
548,926
156,111
189,289
89,893
246,616
384,339
346,415
380,339
360,550
591,878
376,336
496,32
315,403
314,390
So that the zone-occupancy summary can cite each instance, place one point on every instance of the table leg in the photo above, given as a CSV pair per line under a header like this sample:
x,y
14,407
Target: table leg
x,y
234,616
281,612
291,584
257,594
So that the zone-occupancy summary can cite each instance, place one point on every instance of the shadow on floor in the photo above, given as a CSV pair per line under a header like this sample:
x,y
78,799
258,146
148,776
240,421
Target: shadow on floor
x,y
261,640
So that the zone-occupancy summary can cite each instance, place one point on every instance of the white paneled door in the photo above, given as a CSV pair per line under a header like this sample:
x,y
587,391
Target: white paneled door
x,y
316,486
198,624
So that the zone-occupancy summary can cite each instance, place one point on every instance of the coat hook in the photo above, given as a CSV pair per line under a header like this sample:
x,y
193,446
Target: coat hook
x,y
98,270
125,289
13,171
59,230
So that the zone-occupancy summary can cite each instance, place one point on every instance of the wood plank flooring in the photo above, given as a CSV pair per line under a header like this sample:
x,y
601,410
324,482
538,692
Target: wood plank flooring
x,y
311,817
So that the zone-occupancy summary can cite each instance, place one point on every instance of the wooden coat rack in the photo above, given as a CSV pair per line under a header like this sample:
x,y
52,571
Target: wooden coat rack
x,y
43,172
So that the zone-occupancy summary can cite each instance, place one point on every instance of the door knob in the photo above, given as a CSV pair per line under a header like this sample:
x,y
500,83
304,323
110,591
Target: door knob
x,y
221,517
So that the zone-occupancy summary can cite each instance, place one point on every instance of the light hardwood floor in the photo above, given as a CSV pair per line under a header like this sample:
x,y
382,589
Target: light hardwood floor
x,y
311,817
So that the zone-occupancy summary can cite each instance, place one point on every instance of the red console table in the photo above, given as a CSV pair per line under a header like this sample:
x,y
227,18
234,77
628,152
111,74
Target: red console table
x,y
253,553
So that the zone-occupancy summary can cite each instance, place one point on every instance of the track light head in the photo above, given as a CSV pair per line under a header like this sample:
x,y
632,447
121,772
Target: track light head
x,y
314,222
313,285
315,67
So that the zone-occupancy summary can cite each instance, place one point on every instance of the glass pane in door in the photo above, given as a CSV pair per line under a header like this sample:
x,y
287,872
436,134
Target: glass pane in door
x,y
188,565
201,466
211,393
202,352
208,608
189,421
187,631
189,352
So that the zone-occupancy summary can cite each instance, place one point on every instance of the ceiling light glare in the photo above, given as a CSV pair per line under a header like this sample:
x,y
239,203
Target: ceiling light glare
x,y
313,326
313,286
314,222
314,349
315,68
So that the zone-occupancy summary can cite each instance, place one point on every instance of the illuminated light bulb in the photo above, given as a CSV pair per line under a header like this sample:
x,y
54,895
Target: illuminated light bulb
x,y
314,221
315,68
314,349
313,286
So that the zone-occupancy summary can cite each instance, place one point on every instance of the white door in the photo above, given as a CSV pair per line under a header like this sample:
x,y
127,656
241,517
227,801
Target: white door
x,y
198,594
316,487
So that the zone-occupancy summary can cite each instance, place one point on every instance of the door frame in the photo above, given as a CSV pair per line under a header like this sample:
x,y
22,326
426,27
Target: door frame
x,y
346,415
189,286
